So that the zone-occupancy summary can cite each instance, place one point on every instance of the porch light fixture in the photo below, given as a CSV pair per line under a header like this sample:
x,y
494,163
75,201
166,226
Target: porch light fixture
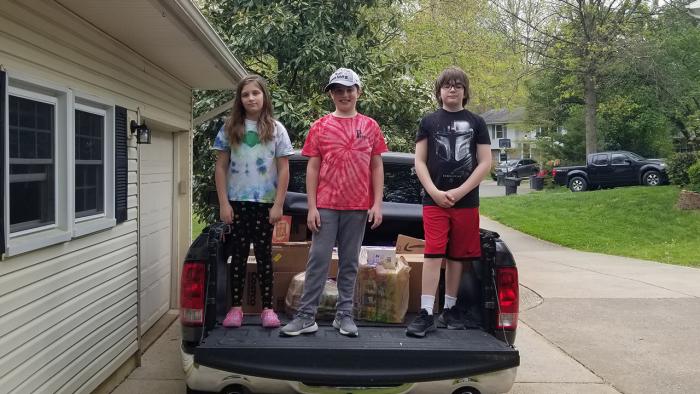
x,y
143,133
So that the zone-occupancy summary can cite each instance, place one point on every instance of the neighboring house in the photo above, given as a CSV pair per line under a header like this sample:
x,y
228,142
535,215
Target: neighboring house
x,y
505,124
94,227
694,9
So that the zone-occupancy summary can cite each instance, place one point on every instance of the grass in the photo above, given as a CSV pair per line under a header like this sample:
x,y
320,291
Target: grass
x,y
197,226
640,222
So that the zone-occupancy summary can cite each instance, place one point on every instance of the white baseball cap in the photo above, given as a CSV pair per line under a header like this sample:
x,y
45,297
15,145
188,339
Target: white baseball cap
x,y
345,77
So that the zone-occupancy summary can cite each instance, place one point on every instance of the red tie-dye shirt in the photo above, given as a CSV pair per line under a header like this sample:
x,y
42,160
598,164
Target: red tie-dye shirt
x,y
346,146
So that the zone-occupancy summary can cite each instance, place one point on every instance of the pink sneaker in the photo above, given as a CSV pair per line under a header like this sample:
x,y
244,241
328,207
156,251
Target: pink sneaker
x,y
234,317
269,319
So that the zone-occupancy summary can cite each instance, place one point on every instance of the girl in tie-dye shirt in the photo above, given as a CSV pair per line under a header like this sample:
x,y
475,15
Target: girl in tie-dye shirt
x,y
252,174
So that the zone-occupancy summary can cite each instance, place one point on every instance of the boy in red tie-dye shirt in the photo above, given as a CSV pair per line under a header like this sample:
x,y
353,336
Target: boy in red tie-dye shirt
x,y
344,184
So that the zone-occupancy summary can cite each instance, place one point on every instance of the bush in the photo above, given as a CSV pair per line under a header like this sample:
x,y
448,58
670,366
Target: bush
x,y
694,177
678,166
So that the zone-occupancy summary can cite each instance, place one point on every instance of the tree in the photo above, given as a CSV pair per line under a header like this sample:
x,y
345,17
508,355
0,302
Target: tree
x,y
443,33
581,39
670,62
647,95
296,45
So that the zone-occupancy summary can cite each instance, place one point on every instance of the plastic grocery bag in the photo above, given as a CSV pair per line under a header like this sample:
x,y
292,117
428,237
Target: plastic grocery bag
x,y
329,297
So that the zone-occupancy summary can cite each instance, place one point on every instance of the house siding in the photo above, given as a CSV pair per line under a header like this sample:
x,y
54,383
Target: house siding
x,y
68,312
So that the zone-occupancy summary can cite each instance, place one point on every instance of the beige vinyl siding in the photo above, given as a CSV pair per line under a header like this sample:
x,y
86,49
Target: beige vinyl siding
x,y
48,38
68,312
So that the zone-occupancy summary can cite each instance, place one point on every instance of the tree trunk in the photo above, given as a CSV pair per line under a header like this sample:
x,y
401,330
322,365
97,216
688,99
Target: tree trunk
x,y
591,108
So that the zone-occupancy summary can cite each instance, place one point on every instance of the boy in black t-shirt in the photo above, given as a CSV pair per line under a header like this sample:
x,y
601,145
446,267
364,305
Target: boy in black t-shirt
x,y
453,154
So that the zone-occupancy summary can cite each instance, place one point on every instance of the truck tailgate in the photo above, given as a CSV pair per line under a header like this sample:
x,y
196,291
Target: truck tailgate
x,y
379,356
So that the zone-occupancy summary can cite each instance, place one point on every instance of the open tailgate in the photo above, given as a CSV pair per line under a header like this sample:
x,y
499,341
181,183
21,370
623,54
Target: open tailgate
x,y
379,356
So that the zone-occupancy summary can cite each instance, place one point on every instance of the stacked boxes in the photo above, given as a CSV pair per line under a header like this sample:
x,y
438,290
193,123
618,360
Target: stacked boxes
x,y
381,292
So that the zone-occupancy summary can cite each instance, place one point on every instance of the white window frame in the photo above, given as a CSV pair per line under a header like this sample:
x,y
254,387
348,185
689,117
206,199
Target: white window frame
x,y
65,226
62,229
106,219
503,131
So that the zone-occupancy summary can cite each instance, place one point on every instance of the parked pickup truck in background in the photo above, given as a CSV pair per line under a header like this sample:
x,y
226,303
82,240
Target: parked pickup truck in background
x,y
611,169
382,360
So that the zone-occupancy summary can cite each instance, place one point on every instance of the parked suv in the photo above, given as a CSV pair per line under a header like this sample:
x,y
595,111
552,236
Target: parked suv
x,y
518,168
383,360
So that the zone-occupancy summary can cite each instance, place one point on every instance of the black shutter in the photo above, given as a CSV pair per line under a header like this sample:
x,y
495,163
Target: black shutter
x,y
3,89
121,164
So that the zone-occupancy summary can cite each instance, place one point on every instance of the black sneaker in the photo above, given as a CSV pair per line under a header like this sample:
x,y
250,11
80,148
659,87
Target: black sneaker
x,y
453,318
422,324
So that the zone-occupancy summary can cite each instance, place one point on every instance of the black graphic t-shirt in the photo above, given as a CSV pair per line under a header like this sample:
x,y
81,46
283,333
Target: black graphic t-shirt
x,y
452,139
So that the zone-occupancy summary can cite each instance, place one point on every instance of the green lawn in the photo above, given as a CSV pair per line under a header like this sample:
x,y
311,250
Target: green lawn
x,y
197,226
639,222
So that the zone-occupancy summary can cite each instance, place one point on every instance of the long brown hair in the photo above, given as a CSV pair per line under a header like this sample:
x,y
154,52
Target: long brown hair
x,y
235,123
452,75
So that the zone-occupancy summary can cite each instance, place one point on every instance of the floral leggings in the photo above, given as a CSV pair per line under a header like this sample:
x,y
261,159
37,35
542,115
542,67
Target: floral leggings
x,y
251,223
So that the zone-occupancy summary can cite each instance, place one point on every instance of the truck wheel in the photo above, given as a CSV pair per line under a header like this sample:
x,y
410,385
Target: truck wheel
x,y
466,390
651,178
578,184
235,389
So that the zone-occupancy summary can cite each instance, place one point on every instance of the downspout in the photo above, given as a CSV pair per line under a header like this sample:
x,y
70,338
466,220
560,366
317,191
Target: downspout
x,y
139,340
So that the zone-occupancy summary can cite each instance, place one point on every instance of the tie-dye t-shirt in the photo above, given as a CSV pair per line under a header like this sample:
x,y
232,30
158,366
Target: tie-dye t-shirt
x,y
252,174
346,147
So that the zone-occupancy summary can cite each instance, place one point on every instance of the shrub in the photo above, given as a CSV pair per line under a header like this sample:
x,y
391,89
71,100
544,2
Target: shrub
x,y
678,166
694,177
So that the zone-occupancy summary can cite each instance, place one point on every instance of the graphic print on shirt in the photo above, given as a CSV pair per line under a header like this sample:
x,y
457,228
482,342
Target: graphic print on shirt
x,y
453,148
252,174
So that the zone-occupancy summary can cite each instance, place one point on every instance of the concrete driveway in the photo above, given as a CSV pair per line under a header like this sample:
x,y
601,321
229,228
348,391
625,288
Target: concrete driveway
x,y
606,324
589,323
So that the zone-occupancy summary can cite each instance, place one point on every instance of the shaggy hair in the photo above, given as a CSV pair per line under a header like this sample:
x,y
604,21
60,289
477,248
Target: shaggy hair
x,y
452,75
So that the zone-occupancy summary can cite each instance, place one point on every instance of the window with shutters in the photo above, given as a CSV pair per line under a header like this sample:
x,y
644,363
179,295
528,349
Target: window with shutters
x,y
59,163
93,165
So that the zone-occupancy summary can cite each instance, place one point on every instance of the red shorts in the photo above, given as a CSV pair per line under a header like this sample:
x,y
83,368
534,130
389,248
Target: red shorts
x,y
451,233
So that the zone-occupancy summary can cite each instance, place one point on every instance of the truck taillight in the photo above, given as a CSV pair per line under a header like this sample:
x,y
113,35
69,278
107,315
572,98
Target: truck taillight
x,y
192,293
508,298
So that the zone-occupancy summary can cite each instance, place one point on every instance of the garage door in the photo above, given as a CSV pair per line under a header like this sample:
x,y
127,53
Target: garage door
x,y
155,204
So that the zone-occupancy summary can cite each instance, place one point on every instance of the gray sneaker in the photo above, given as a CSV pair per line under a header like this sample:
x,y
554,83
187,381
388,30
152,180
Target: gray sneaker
x,y
343,322
302,324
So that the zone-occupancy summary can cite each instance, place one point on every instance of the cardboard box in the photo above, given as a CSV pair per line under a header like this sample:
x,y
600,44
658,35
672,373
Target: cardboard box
x,y
251,297
282,280
282,230
382,294
409,245
290,256
415,282
288,259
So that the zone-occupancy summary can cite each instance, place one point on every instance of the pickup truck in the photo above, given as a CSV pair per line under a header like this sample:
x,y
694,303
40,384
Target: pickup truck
x,y
611,169
382,360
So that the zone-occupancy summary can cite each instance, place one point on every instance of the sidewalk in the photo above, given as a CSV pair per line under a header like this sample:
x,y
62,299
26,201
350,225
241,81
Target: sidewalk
x,y
489,188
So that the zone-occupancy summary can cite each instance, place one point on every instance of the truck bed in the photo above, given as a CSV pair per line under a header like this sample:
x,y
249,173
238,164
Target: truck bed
x,y
381,355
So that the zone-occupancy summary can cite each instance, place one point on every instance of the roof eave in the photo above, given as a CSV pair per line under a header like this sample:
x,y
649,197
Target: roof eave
x,y
198,25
